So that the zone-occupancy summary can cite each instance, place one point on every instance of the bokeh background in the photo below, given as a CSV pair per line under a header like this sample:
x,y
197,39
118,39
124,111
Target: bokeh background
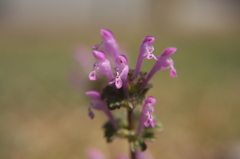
x,y
43,109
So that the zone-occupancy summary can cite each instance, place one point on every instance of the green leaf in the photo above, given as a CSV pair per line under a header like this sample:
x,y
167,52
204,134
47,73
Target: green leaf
x,y
142,146
114,97
148,136
158,127
138,145
124,132
109,131
133,146
148,133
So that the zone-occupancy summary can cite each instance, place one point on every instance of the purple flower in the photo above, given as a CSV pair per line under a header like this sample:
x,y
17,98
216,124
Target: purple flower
x,y
102,66
117,80
98,104
121,70
108,44
146,51
93,153
146,118
163,63
110,47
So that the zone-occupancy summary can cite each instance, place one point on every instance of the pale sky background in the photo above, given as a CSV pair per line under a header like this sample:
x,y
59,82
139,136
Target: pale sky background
x,y
187,14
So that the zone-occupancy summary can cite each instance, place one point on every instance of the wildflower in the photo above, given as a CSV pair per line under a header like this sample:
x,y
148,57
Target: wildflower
x,y
146,51
108,44
122,71
99,104
103,66
127,91
163,63
146,118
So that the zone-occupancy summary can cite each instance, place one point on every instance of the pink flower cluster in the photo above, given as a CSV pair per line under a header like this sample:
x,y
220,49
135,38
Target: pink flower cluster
x,y
116,69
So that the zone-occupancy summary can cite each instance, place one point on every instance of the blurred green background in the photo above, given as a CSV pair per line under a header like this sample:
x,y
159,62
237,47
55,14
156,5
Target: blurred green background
x,y
43,115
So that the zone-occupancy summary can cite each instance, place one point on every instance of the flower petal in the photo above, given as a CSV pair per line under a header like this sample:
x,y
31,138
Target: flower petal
x,y
94,95
106,34
99,55
173,72
118,82
150,100
163,63
149,40
169,51
90,113
92,75
121,60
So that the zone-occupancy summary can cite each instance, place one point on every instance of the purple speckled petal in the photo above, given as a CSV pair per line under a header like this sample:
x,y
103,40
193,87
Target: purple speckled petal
x,y
93,75
149,40
121,60
118,82
122,73
150,100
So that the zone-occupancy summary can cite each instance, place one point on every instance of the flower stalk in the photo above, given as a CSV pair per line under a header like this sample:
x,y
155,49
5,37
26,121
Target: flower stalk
x,y
130,117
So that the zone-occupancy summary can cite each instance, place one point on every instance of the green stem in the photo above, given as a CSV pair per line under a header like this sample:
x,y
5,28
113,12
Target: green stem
x,y
130,127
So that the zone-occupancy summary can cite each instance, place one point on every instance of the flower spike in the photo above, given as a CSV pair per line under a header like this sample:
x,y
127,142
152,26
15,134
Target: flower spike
x,y
127,90
146,51
163,63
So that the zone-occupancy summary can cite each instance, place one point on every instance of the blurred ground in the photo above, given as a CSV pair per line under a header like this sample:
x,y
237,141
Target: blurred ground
x,y
43,116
